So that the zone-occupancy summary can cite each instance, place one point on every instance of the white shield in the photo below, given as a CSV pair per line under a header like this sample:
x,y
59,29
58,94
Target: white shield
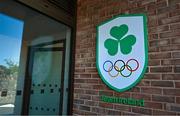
x,y
122,51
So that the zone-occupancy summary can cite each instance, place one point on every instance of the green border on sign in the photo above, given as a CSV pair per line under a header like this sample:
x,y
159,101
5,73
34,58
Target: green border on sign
x,y
146,52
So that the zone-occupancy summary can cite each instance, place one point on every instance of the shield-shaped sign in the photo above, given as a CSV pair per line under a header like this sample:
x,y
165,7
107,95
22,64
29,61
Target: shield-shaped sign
x,y
122,51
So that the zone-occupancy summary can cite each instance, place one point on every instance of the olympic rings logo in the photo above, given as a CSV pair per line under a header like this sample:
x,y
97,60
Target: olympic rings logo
x,y
120,66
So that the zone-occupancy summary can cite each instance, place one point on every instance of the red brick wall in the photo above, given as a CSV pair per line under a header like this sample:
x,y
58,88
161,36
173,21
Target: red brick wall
x,y
160,87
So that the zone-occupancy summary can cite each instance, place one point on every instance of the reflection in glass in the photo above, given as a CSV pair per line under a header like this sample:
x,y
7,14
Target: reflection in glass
x,y
11,31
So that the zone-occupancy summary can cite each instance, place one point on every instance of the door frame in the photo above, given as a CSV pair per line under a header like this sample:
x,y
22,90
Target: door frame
x,y
28,74
72,53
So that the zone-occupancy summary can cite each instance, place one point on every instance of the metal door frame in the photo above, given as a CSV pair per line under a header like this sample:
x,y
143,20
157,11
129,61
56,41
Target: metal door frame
x,y
28,74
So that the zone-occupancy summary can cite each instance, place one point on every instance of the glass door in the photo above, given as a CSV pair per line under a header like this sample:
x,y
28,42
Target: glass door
x,y
46,67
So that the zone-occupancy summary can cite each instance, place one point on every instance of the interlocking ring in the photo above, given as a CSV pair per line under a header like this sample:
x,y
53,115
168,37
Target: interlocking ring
x,y
128,70
131,68
113,75
111,67
120,69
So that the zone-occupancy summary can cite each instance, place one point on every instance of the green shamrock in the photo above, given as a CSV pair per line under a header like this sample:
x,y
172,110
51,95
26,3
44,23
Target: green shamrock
x,y
125,43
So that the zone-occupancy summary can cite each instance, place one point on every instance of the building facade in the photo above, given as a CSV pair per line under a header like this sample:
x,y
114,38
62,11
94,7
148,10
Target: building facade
x,y
159,87
69,28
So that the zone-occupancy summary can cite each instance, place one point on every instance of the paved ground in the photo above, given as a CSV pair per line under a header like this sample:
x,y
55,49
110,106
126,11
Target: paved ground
x,y
6,109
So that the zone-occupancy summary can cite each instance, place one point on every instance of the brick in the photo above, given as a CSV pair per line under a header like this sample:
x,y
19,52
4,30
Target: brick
x,y
113,112
151,12
141,96
122,107
170,34
91,92
147,2
85,86
177,69
106,105
79,91
138,9
162,83
152,22
142,110
161,1
75,106
176,54
170,62
175,26
153,105
151,90
85,64
177,84
170,77
160,112
173,2
158,98
129,113
76,75
124,94
152,36
134,89
161,69
159,55
175,40
178,100
91,103
156,43
152,76
156,5
92,81
132,5
174,13
169,20
173,107
78,112
86,108
89,70
173,92
163,15
159,29
144,83
83,96
165,9
105,111
78,101
99,87
169,48
153,49
99,110
85,76
166,62
78,70
95,98
89,113
79,80
108,93
95,76
76,96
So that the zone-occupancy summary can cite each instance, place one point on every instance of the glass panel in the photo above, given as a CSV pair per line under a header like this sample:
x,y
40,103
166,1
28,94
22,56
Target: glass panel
x,y
10,44
46,82
38,29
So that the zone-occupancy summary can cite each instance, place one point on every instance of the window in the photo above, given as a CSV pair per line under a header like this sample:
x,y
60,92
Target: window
x,y
11,30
